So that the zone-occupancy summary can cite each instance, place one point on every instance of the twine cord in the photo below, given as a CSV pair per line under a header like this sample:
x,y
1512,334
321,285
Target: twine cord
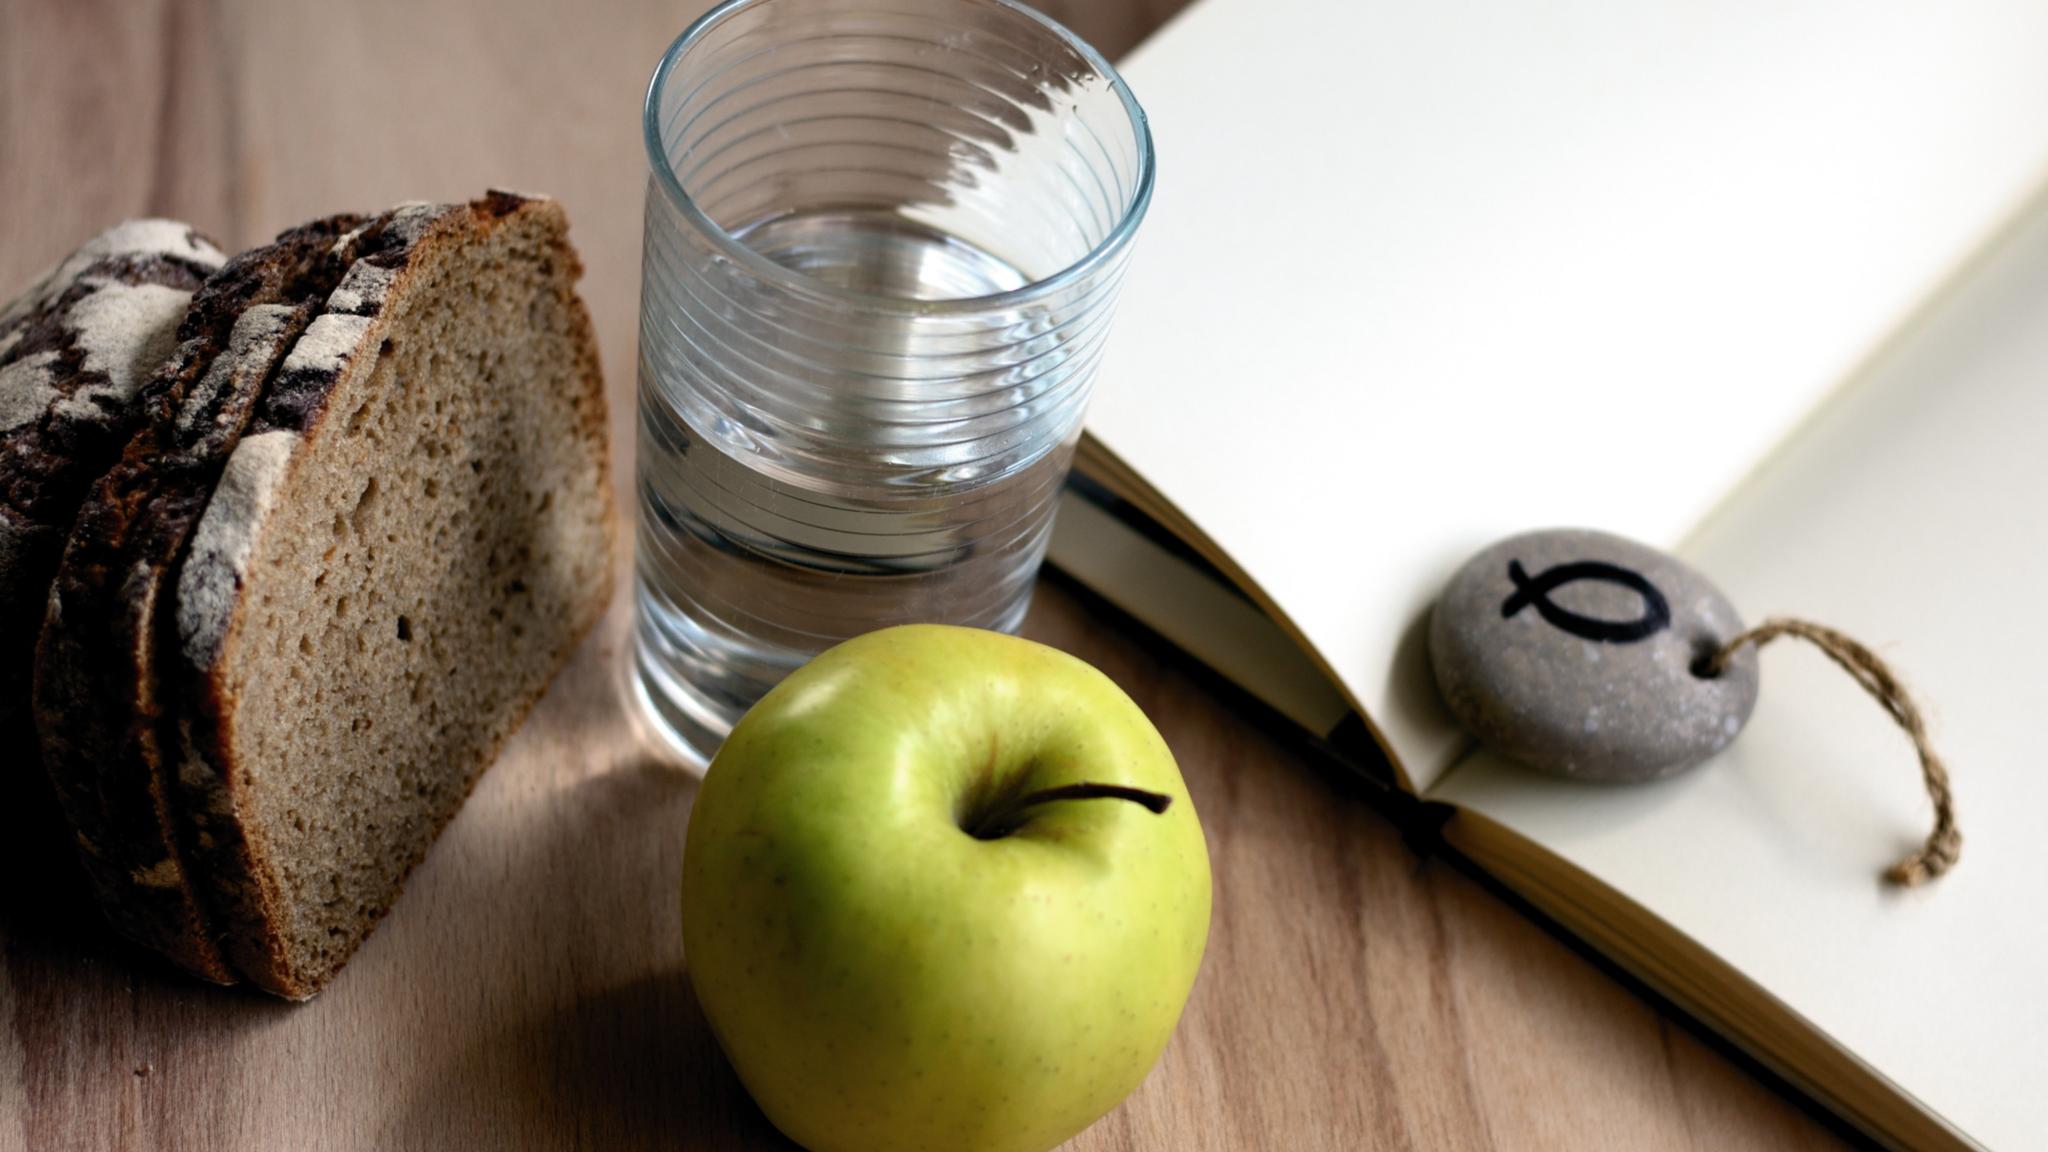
x,y
1944,844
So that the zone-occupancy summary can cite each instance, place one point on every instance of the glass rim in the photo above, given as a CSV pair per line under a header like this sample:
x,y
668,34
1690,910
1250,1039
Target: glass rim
x,y
789,279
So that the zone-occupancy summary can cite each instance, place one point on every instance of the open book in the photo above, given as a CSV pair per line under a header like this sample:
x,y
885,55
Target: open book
x,y
1764,284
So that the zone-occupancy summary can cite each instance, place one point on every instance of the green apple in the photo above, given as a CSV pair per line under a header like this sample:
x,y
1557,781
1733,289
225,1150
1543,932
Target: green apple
x,y
943,890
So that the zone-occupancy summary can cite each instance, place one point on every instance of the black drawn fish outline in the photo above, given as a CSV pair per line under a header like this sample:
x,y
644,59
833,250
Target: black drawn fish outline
x,y
1535,590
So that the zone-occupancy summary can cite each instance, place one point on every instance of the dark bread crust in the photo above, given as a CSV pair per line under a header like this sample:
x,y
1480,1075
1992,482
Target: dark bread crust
x,y
47,463
99,705
67,419
49,459
244,883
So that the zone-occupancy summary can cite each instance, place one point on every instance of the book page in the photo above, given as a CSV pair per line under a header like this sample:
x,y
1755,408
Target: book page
x,y
1196,611
1420,275
1913,514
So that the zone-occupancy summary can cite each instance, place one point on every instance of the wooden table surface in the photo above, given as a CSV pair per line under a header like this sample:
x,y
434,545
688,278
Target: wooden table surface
x,y
529,991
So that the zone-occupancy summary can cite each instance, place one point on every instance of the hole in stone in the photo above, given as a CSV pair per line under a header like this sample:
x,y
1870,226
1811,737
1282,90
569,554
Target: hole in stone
x,y
405,629
1703,649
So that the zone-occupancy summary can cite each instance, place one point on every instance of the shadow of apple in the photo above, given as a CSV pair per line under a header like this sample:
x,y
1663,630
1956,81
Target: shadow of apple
x,y
633,1067
630,1066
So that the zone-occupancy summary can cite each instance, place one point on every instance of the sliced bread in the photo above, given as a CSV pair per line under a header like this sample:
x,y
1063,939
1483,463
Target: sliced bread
x,y
101,713
367,521
405,546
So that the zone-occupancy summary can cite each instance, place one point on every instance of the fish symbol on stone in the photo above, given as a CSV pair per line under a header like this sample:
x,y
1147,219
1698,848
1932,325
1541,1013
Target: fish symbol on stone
x,y
1536,590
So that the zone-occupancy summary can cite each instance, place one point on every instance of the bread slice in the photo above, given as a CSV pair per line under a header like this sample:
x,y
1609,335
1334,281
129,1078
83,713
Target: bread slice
x,y
100,711
405,546
75,350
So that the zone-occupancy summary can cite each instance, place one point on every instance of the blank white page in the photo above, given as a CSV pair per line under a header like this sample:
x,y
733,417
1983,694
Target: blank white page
x,y
1419,275
1913,515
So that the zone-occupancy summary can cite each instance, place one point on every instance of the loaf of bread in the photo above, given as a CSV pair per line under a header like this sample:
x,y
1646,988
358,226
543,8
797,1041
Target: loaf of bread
x,y
367,523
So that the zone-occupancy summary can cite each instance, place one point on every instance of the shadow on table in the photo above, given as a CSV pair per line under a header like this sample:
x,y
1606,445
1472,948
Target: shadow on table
x,y
48,916
629,1066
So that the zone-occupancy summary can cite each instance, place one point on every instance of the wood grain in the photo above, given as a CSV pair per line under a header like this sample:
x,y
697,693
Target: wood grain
x,y
529,990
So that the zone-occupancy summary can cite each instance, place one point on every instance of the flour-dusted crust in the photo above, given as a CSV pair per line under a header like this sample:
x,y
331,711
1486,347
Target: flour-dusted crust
x,y
100,709
75,349
211,579
136,241
338,354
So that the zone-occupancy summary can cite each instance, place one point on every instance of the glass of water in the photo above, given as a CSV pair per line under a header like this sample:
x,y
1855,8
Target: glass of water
x,y
883,245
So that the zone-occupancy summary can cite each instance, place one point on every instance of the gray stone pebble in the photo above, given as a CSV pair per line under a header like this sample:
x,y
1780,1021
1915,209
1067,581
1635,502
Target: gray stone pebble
x,y
1578,654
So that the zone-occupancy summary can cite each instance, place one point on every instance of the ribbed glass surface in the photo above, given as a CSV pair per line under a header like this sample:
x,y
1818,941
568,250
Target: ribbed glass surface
x,y
883,244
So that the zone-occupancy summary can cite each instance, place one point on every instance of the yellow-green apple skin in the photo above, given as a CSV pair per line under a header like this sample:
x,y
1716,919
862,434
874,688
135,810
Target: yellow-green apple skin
x,y
880,978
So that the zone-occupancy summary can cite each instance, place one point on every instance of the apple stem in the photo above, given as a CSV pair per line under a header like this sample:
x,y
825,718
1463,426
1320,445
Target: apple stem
x,y
1010,816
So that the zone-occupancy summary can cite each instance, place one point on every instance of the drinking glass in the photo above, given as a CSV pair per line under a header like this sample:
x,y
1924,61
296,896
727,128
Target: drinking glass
x,y
883,245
